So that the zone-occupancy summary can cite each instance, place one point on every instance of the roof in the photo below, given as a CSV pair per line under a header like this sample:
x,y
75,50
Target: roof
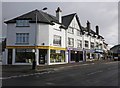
x,y
42,17
66,20
91,31
115,48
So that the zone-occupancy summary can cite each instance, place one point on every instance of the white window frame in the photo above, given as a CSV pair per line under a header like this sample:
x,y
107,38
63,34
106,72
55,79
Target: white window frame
x,y
70,42
22,23
22,38
57,40
71,30
86,43
79,43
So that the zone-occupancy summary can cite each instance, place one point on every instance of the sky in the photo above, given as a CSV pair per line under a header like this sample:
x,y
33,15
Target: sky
x,y
104,14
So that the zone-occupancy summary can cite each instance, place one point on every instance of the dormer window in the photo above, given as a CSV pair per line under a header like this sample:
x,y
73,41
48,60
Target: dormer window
x,y
22,23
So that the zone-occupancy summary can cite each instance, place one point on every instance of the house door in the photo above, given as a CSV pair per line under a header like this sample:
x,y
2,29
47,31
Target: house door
x,y
9,56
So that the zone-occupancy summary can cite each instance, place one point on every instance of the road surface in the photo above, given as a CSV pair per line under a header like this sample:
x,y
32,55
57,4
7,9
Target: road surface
x,y
100,74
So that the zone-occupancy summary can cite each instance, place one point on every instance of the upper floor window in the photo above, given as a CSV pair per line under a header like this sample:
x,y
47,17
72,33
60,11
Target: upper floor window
x,y
79,43
22,23
86,44
71,30
79,33
70,42
57,40
22,38
97,45
92,45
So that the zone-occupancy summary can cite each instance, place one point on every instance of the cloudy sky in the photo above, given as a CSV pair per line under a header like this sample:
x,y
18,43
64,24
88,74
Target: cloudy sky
x,y
104,14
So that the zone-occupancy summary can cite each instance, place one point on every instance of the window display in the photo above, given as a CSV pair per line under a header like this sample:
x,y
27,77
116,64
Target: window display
x,y
24,56
57,56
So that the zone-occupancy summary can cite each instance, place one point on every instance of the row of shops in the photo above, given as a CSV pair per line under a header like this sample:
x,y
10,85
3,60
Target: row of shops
x,y
50,55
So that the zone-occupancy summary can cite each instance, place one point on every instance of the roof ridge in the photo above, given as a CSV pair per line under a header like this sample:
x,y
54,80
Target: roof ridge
x,y
69,14
41,12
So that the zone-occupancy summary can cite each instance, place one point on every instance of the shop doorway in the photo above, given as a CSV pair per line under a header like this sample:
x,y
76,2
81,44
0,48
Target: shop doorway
x,y
73,56
42,56
81,55
9,61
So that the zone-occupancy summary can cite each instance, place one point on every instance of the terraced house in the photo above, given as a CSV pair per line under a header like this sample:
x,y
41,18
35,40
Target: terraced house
x,y
51,39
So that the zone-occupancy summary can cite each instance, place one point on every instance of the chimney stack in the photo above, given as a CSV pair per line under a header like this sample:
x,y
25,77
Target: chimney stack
x,y
59,14
88,26
97,30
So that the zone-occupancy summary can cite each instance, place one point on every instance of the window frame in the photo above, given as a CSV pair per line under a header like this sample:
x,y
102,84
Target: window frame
x,y
86,44
69,42
79,43
60,41
71,29
22,38
19,23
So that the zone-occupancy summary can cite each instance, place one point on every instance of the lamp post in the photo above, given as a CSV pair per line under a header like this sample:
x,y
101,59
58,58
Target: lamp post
x,y
34,61
35,44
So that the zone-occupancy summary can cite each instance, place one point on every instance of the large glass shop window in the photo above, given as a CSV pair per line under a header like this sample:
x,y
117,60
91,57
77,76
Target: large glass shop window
x,y
57,56
24,56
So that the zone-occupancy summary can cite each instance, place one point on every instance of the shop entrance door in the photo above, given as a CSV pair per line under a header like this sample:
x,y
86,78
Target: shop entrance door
x,y
9,61
42,56
81,56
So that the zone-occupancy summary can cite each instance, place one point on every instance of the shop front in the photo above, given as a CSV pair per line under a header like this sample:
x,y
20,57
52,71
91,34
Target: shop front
x,y
43,55
75,55
90,54
57,56
99,54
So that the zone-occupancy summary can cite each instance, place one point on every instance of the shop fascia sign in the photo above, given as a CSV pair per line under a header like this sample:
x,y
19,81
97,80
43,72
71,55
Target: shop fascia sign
x,y
75,49
99,50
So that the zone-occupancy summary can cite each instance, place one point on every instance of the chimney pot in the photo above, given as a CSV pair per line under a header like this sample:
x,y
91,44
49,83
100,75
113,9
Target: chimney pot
x,y
97,30
58,14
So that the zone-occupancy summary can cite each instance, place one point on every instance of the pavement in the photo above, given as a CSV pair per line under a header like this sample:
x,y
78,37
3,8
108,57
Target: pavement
x,y
13,70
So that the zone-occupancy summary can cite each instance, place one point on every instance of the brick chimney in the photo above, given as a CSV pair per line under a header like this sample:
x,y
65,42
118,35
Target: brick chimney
x,y
88,26
97,30
59,14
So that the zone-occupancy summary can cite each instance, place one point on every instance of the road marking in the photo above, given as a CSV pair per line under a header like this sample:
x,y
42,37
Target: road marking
x,y
95,72
25,75
85,64
49,83
110,62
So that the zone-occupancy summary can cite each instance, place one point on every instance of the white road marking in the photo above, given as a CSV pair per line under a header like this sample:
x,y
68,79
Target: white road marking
x,y
110,62
25,75
95,72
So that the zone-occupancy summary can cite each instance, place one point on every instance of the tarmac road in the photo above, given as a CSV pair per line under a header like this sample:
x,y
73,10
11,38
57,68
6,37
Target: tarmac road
x,y
98,74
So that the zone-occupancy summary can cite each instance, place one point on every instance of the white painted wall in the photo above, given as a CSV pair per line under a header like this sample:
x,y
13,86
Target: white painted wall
x,y
12,30
53,31
74,36
43,34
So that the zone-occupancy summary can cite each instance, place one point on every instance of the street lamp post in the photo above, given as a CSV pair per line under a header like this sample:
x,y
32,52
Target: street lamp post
x,y
34,50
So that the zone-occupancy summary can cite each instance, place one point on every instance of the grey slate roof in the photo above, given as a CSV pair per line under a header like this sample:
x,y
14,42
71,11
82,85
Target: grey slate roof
x,y
42,17
66,20
115,48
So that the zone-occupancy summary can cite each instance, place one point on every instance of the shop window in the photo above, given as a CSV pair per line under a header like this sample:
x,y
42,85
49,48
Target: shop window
x,y
57,56
24,56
